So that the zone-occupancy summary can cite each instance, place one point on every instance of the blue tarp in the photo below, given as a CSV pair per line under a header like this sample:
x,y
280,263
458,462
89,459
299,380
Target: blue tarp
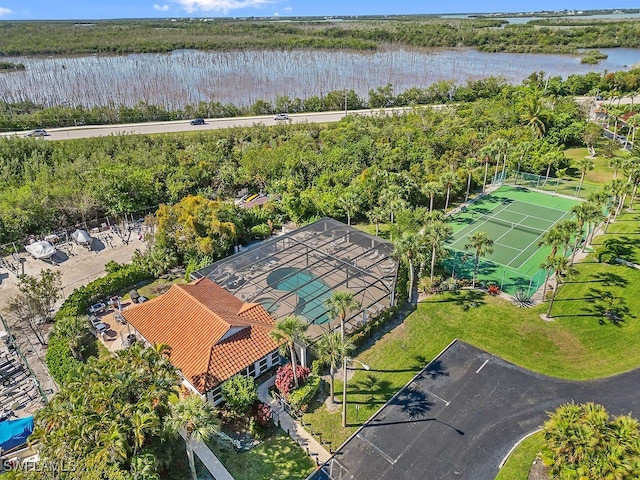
x,y
14,433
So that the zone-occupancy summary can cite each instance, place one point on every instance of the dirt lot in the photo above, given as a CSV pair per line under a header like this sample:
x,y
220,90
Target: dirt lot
x,y
79,266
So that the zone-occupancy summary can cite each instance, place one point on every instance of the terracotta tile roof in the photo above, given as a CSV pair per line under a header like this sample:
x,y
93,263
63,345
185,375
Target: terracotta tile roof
x,y
212,334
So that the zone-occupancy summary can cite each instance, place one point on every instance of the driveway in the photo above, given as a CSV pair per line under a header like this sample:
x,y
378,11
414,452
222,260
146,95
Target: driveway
x,y
461,415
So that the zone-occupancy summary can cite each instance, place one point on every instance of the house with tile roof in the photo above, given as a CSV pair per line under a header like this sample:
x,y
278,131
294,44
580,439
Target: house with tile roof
x,y
212,334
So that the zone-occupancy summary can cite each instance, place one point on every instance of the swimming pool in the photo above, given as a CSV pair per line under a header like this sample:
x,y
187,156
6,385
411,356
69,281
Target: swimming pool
x,y
311,292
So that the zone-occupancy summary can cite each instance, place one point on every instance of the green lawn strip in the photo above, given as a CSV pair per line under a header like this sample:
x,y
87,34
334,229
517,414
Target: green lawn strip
x,y
519,463
278,457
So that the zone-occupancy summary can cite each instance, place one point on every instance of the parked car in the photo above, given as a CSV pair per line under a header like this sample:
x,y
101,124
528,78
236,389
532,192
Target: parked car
x,y
198,121
38,132
97,307
281,116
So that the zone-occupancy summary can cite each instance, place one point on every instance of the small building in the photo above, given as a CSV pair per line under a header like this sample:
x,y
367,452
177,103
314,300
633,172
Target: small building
x,y
212,334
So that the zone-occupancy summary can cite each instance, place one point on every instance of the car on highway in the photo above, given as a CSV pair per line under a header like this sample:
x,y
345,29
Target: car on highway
x,y
38,132
198,121
281,116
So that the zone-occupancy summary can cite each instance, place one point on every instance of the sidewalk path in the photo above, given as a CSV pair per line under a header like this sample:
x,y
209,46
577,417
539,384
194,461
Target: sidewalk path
x,y
209,460
295,430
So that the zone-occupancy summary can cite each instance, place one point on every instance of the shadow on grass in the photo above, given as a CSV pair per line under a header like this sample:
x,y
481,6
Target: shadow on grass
x,y
465,299
608,307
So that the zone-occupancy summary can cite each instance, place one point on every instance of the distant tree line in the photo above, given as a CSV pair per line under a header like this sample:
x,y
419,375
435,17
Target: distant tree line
x,y
166,35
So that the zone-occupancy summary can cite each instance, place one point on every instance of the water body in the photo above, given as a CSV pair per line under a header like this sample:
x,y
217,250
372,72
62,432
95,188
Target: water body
x,y
189,76
523,19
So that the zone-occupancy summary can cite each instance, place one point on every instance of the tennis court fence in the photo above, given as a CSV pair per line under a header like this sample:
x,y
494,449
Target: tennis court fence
x,y
554,185
460,265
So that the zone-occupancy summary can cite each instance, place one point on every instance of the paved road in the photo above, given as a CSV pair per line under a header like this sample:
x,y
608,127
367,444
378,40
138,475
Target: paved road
x,y
88,131
462,414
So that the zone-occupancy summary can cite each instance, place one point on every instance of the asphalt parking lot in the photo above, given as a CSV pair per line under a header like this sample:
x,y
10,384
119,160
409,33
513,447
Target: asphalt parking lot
x,y
462,414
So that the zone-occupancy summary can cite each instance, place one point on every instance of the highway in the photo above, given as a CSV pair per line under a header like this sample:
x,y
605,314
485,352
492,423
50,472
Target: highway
x,y
87,131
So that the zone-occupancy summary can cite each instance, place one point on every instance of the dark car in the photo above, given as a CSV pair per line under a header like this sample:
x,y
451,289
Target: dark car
x,y
38,132
198,121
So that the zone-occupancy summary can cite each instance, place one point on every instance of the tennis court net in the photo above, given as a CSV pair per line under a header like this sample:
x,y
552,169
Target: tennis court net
x,y
505,223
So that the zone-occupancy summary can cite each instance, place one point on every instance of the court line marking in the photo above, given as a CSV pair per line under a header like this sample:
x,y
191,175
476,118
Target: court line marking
x,y
378,449
482,366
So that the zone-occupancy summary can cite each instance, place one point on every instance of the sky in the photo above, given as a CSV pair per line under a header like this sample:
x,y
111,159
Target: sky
x,y
104,9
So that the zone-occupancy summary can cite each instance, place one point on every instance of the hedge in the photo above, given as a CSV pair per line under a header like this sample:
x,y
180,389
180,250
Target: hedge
x,y
60,361
301,397
119,281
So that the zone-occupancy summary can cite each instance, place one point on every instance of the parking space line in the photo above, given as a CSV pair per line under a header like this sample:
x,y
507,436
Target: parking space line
x,y
482,366
439,398
377,449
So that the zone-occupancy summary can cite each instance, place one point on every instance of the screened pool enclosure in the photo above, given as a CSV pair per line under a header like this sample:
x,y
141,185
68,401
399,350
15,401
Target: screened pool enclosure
x,y
295,273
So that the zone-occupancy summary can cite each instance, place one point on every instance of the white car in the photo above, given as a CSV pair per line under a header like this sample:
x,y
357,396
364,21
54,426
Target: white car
x,y
281,116
38,132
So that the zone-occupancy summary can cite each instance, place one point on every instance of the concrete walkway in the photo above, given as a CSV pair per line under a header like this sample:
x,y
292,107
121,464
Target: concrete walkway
x,y
295,430
209,460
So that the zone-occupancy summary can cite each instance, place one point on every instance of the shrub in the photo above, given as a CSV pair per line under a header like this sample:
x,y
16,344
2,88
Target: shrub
x,y
60,361
284,378
261,231
301,397
493,290
263,414
239,393
449,285
521,299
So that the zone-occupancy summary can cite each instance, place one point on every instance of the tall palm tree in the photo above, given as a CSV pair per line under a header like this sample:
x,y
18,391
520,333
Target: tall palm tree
x,y
581,214
561,268
521,149
196,418
431,189
554,238
533,115
616,163
470,165
350,203
376,215
482,244
566,229
340,303
437,233
584,164
286,332
331,350
500,147
392,199
552,157
448,181
485,154
411,248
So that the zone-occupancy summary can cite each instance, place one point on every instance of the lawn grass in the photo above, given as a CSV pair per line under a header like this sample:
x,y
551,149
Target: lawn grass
x,y
601,174
519,463
579,344
278,457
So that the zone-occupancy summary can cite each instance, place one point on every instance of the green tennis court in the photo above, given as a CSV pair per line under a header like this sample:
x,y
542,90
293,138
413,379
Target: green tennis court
x,y
515,219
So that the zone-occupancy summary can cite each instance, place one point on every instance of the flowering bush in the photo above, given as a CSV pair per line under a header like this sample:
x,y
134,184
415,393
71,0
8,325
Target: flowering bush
x,y
493,290
263,414
284,378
